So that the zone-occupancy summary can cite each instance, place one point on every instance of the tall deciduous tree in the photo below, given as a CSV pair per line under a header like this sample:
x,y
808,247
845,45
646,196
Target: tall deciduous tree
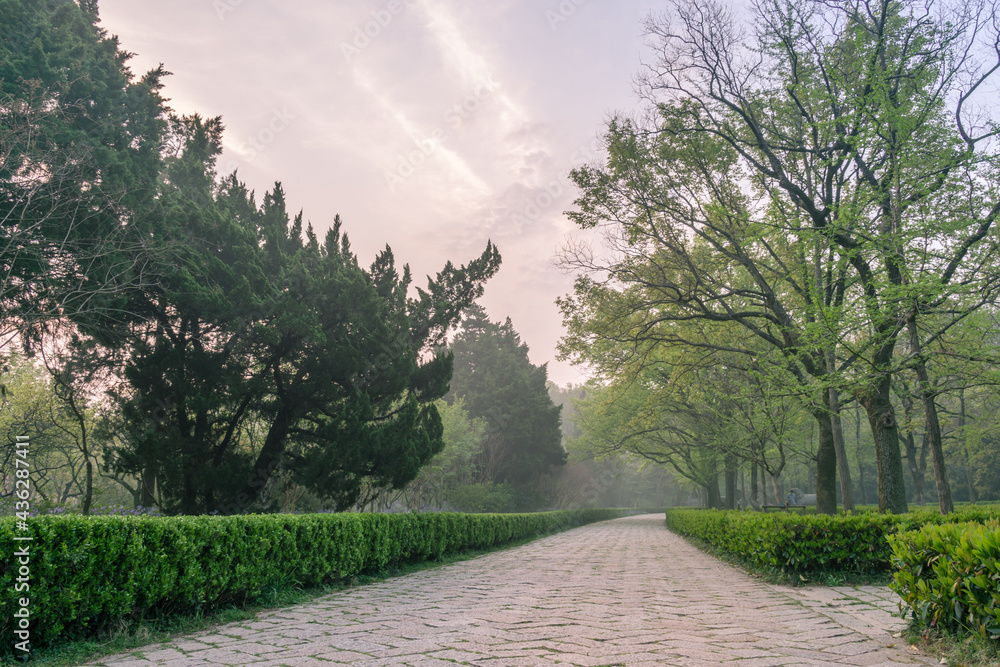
x,y
854,126
700,260
33,404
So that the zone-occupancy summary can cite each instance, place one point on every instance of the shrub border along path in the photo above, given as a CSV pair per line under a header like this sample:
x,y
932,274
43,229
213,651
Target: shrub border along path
x,y
949,577
812,544
88,573
611,593
946,569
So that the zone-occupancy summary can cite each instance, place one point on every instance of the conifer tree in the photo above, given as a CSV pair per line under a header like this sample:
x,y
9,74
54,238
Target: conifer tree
x,y
498,383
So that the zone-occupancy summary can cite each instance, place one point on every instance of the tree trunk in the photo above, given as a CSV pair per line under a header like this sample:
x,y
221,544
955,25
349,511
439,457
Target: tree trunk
x,y
968,477
861,484
189,488
915,472
776,489
933,425
885,434
922,459
917,467
826,466
267,462
857,451
754,497
88,494
714,499
147,484
730,474
965,445
843,466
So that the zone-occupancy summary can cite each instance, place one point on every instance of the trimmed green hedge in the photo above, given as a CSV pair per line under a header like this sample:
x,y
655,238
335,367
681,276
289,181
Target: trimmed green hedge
x,y
88,572
949,576
796,544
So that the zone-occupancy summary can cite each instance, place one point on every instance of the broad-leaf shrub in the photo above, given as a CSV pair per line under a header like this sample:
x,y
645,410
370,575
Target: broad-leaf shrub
x,y
88,572
796,544
949,576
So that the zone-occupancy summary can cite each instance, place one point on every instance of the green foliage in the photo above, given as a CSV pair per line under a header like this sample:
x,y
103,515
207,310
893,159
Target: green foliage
x,y
715,214
949,577
499,384
88,572
234,342
256,323
80,141
29,407
816,544
454,466
483,497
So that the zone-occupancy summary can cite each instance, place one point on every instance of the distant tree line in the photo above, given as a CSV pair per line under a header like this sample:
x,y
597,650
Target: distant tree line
x,y
502,430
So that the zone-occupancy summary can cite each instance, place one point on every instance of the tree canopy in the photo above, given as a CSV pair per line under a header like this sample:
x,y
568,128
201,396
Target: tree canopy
x,y
239,349
80,154
822,181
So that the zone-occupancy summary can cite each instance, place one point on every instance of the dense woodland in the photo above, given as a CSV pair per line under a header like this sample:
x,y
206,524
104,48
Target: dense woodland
x,y
796,289
801,227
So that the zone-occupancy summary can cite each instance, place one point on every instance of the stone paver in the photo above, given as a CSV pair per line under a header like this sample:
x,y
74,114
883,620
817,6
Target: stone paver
x,y
624,592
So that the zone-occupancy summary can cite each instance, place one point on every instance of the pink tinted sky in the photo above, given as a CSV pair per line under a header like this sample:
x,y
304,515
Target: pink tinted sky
x,y
430,125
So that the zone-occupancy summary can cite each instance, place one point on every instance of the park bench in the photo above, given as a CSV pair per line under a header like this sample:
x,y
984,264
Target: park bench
x,y
783,507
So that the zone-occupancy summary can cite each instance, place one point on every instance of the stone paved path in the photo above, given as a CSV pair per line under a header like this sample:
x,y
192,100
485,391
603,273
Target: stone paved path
x,y
624,592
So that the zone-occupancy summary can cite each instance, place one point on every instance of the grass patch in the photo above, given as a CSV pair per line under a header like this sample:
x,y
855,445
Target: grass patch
x,y
134,635
967,651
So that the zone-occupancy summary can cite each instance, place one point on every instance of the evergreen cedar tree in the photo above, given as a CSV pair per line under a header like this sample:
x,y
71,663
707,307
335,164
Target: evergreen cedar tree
x,y
499,384
80,141
248,350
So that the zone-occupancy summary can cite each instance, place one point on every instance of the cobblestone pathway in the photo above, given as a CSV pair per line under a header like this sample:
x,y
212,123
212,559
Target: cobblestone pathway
x,y
624,592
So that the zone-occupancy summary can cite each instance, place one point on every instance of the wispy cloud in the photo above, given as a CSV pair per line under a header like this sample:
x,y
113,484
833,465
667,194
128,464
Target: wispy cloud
x,y
518,146
420,137
483,105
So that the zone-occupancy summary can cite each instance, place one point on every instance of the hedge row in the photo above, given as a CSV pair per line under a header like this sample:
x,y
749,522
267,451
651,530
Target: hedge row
x,y
796,544
949,576
88,572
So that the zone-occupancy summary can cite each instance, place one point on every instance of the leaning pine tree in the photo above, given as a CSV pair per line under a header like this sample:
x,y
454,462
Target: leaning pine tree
x,y
261,351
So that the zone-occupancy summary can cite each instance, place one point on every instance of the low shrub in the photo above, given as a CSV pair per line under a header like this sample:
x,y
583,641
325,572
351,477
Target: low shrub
x,y
88,572
796,544
949,577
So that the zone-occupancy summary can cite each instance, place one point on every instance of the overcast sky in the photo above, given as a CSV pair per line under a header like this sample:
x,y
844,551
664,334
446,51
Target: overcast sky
x,y
430,125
